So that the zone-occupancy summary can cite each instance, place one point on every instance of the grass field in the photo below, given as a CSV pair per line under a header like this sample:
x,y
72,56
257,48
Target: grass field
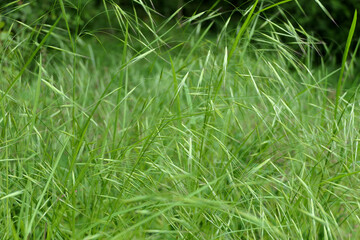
x,y
174,131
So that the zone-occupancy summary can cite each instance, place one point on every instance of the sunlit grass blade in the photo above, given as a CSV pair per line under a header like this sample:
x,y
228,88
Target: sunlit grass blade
x,y
344,59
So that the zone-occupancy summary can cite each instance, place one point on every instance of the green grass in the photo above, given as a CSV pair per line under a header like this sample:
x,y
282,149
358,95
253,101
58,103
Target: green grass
x,y
172,131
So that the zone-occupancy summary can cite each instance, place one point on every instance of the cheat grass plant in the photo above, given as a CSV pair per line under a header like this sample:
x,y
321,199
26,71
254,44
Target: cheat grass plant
x,y
172,132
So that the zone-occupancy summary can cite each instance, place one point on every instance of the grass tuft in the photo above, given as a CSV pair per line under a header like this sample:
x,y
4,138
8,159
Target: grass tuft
x,y
172,130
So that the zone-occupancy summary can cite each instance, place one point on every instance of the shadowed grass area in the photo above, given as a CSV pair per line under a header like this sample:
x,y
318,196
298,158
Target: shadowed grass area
x,y
171,131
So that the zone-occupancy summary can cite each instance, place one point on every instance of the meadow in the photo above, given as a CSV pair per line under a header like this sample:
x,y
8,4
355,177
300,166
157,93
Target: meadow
x,y
173,130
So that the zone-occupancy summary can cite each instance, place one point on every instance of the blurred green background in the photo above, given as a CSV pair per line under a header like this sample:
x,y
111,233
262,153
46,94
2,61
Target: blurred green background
x,y
328,20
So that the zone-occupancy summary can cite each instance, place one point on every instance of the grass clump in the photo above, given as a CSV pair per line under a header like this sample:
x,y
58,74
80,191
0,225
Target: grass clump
x,y
171,131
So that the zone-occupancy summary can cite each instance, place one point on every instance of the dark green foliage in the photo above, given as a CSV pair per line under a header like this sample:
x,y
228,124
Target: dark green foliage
x,y
329,21
317,21
79,13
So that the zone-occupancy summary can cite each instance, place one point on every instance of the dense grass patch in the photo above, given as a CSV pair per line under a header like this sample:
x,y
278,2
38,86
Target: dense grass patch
x,y
171,131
